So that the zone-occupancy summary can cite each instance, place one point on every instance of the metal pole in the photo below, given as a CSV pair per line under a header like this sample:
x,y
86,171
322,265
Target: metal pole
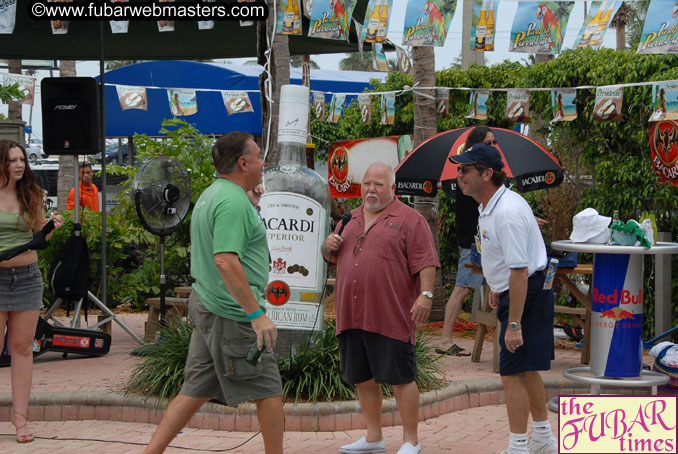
x,y
102,146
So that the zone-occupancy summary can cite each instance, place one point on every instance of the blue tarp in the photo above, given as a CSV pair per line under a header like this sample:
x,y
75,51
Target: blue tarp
x,y
211,117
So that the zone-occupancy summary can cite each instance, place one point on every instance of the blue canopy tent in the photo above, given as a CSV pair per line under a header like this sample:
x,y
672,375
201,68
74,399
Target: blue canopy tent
x,y
211,117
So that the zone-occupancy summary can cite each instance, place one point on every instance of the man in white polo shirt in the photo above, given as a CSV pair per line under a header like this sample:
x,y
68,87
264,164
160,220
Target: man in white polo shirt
x,y
513,260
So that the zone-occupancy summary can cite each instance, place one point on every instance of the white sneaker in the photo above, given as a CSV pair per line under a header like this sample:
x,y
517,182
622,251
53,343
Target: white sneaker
x,y
408,448
362,446
548,447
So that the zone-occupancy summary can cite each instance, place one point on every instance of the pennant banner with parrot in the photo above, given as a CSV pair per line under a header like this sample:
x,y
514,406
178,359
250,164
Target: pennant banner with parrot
x,y
427,22
539,27
330,19
596,23
659,31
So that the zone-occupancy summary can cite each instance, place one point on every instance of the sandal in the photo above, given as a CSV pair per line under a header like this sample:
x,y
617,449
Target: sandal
x,y
454,350
24,437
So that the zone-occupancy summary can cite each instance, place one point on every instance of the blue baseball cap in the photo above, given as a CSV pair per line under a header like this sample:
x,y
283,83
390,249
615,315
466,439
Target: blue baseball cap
x,y
481,153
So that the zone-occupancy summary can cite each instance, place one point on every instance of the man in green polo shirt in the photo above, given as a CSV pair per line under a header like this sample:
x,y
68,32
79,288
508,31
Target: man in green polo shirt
x,y
229,262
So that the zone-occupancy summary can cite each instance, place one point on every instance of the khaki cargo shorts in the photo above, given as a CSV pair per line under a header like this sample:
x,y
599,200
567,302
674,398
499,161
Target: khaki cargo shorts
x,y
216,366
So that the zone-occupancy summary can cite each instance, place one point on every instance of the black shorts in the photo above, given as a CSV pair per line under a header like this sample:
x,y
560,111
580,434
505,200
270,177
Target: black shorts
x,y
366,355
537,350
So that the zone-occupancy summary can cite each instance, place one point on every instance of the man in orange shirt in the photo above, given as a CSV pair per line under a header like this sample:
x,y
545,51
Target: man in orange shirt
x,y
89,194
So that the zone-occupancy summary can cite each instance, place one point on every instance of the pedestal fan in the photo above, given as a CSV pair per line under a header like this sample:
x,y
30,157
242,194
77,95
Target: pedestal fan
x,y
162,195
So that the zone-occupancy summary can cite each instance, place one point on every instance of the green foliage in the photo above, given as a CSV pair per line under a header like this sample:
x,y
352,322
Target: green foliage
x,y
313,373
194,151
607,164
161,374
10,93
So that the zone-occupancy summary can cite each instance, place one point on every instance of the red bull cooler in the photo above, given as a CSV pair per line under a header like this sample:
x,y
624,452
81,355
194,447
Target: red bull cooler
x,y
617,315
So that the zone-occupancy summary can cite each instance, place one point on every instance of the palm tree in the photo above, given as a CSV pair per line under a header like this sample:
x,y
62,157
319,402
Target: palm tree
x,y
619,22
635,17
13,107
66,173
424,74
297,61
356,61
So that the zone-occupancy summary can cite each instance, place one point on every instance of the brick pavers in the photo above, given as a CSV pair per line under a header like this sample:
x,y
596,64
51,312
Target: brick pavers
x,y
481,430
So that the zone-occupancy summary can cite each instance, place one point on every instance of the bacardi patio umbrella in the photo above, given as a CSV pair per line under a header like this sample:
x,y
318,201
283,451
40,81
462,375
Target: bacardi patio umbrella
x,y
527,163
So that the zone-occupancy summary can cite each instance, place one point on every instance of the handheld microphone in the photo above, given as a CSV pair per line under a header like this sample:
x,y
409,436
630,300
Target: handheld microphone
x,y
344,220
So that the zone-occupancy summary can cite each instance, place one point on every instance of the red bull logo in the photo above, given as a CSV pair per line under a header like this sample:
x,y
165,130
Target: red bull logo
x,y
617,297
616,314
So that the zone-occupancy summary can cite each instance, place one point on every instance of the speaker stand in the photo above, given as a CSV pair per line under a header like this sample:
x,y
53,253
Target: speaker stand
x,y
75,321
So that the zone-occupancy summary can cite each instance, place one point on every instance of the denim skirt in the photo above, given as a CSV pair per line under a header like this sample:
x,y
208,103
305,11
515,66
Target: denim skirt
x,y
20,288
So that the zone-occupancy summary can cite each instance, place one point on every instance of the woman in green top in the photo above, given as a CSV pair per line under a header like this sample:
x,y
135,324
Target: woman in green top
x,y
21,215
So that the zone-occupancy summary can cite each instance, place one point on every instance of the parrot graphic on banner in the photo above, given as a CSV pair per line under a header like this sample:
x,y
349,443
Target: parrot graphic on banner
x,y
551,25
435,18
340,15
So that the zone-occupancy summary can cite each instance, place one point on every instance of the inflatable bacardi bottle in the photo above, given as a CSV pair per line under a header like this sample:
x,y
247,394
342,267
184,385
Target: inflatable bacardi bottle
x,y
295,209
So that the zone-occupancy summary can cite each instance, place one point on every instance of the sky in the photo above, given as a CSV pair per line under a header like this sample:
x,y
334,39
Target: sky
x,y
445,56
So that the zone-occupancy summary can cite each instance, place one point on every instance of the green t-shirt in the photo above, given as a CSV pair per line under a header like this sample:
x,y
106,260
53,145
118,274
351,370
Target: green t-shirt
x,y
224,220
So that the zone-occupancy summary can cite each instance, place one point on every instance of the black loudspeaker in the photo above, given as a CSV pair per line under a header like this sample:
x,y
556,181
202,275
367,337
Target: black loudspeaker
x,y
70,108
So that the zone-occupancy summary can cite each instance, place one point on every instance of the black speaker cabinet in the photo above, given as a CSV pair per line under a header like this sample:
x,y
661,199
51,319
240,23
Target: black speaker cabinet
x,y
70,108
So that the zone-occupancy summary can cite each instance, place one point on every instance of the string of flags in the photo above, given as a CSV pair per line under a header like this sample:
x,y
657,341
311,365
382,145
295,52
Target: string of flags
x,y
538,26
608,104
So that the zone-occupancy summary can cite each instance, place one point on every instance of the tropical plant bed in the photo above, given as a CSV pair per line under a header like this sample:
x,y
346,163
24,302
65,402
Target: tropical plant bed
x,y
312,374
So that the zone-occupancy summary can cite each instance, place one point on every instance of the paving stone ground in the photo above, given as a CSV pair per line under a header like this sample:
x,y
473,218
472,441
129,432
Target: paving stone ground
x,y
481,430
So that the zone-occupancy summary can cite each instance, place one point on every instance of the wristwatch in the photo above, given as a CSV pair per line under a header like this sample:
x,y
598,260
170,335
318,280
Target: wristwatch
x,y
428,295
515,326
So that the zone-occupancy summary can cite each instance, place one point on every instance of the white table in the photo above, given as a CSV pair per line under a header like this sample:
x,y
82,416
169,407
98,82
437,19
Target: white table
x,y
617,315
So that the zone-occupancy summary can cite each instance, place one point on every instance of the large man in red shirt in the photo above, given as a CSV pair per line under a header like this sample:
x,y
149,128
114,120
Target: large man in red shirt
x,y
387,264
89,194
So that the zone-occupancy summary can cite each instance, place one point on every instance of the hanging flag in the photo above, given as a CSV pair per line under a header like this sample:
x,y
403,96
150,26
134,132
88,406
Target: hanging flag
x,y
132,97
664,101
539,27
404,64
377,17
442,103
608,103
236,102
319,104
427,22
26,85
358,32
182,102
308,6
379,62
208,24
563,104
7,16
596,23
330,20
119,26
482,25
477,104
59,27
365,105
518,106
289,18
664,150
387,108
166,25
336,107
659,30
